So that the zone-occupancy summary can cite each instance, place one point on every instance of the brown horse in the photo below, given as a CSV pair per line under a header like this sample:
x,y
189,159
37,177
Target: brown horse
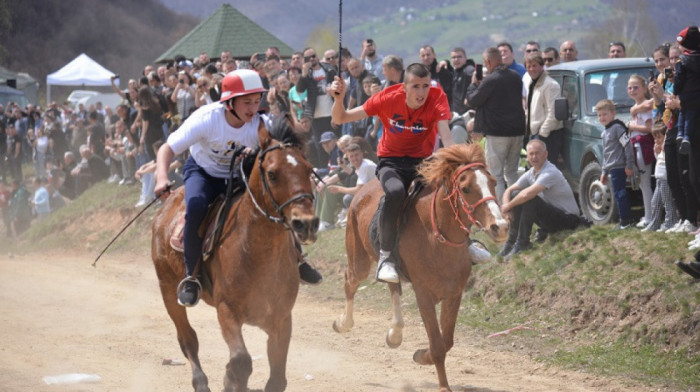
x,y
433,245
253,270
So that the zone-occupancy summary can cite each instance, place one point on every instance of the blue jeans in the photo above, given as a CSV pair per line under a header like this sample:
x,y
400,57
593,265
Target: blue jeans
x,y
200,190
687,121
618,179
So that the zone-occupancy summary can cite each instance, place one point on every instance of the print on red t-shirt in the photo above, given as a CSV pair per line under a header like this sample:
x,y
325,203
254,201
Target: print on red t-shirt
x,y
407,132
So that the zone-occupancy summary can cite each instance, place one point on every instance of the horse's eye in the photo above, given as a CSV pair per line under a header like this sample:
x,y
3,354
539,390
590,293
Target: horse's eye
x,y
271,175
465,190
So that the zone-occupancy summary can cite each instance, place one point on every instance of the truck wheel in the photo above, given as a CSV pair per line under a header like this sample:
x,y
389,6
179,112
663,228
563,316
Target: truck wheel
x,y
597,201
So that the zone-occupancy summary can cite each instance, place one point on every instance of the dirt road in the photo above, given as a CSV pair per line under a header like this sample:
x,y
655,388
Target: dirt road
x,y
60,315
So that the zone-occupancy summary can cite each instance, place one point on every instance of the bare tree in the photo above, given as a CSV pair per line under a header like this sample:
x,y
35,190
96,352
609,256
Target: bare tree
x,y
629,22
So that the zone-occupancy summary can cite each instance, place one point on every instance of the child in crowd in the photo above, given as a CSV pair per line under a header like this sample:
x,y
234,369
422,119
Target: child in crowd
x,y
642,142
618,158
687,86
662,194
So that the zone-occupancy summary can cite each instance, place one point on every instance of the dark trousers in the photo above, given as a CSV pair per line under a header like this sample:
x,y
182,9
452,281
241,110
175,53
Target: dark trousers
x,y
691,122
395,175
200,190
536,211
321,125
554,143
677,169
618,180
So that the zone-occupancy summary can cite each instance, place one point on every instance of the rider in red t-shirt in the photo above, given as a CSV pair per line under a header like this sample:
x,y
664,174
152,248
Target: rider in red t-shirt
x,y
412,114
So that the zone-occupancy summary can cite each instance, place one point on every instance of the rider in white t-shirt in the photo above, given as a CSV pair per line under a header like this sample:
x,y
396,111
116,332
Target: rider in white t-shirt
x,y
212,134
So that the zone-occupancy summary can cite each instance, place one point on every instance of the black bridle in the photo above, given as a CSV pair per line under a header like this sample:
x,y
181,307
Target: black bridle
x,y
266,188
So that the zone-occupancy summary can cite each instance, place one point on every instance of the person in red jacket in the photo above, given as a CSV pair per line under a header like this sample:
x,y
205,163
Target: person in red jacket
x,y
413,113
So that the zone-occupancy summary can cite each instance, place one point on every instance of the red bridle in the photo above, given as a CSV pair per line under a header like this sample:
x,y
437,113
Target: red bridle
x,y
455,199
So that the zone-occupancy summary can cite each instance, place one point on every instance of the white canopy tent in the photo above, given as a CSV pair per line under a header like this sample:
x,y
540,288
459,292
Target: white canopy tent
x,y
82,71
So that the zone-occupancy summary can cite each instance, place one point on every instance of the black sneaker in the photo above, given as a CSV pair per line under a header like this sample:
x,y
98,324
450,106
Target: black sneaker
x,y
507,247
188,292
691,268
309,274
540,235
519,247
684,148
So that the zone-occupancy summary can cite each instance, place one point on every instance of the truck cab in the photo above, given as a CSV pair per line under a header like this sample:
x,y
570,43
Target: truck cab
x,y
583,84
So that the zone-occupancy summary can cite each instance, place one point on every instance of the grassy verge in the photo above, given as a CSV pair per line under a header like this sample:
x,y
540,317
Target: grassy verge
x,y
604,302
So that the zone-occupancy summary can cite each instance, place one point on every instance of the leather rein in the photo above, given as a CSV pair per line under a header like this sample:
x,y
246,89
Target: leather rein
x,y
457,203
266,189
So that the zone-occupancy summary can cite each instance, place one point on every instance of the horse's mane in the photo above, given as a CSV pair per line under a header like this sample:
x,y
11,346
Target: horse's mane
x,y
441,166
281,130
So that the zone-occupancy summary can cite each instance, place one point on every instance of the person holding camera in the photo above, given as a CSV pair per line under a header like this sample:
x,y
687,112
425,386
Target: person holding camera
x,y
371,60
183,95
316,77
497,99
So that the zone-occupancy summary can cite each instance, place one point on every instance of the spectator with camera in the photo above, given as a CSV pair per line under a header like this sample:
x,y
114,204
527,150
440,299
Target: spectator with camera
x,y
315,79
666,109
371,60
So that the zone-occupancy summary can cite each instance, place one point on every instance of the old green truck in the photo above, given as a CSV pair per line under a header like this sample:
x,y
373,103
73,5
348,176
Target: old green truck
x,y
583,84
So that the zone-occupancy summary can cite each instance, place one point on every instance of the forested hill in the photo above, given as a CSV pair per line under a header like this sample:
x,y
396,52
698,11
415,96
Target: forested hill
x,y
40,36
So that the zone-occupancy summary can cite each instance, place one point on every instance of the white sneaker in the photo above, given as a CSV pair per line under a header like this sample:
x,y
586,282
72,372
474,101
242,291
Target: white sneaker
x,y
386,269
684,227
642,223
323,226
676,226
694,246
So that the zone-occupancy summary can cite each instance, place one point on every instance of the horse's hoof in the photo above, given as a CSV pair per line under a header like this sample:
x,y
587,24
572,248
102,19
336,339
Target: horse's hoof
x,y
422,357
338,329
398,338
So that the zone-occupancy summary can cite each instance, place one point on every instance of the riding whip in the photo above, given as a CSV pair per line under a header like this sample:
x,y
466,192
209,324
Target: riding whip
x,y
167,189
340,38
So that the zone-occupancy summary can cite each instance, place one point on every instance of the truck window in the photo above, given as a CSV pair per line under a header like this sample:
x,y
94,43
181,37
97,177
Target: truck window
x,y
569,90
610,85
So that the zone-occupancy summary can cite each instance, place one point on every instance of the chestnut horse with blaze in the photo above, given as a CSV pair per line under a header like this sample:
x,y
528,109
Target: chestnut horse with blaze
x,y
253,270
433,245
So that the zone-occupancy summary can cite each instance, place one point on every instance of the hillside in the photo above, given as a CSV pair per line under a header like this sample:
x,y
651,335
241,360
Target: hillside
x,y
400,27
123,35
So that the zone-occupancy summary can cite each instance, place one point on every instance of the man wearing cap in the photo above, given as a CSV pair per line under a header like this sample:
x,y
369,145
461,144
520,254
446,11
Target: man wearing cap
x,y
211,134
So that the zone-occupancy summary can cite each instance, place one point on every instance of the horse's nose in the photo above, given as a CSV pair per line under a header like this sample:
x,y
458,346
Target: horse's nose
x,y
499,232
305,229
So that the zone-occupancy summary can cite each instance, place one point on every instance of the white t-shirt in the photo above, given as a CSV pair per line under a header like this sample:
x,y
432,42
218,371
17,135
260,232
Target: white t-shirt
x,y
640,119
324,103
211,140
366,172
557,190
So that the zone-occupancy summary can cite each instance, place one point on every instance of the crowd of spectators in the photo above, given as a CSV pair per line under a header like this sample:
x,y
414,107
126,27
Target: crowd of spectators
x,y
506,91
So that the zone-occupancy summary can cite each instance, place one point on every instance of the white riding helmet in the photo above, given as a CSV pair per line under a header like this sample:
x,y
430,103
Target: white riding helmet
x,y
240,82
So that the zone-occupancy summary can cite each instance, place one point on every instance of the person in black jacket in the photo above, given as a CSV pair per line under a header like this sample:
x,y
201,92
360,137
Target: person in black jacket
x,y
500,117
440,75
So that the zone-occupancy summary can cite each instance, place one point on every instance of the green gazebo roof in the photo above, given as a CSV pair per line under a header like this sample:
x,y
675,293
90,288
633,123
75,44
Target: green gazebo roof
x,y
225,29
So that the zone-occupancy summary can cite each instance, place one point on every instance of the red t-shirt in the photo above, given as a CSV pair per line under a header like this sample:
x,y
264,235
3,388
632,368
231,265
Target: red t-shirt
x,y
407,132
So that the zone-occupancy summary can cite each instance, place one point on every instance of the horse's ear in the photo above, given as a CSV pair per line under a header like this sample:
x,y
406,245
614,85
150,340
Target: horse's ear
x,y
264,138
